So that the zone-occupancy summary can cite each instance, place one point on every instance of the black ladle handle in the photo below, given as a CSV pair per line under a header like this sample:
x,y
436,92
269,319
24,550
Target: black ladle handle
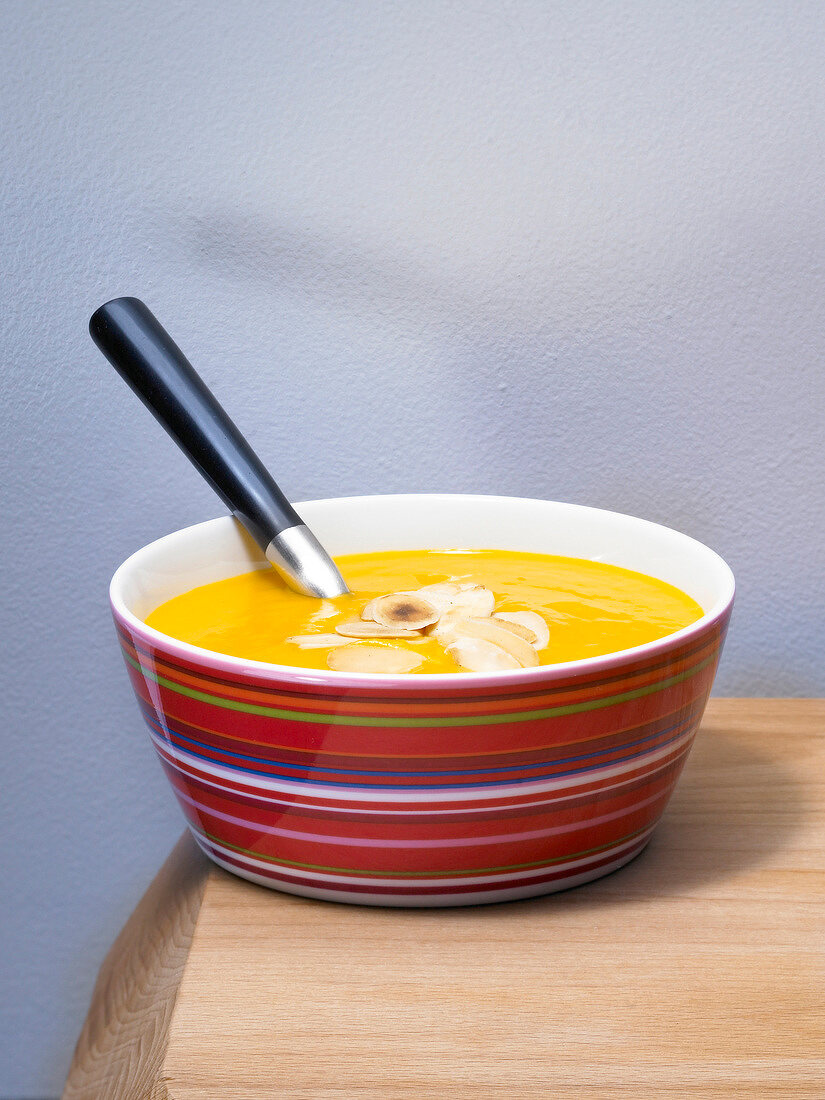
x,y
147,358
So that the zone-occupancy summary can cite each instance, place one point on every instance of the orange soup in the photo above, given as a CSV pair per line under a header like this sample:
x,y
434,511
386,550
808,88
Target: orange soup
x,y
433,611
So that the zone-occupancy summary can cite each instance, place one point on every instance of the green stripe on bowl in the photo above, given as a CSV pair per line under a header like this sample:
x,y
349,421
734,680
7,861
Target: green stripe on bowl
x,y
410,722
460,872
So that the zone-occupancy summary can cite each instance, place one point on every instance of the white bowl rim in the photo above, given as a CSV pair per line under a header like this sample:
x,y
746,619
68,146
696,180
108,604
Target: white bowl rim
x,y
418,682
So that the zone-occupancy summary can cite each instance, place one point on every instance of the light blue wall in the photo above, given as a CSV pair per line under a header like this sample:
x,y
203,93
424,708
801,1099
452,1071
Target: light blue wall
x,y
567,250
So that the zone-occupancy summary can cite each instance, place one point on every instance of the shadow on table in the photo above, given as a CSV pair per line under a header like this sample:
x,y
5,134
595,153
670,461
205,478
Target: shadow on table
x,y
732,810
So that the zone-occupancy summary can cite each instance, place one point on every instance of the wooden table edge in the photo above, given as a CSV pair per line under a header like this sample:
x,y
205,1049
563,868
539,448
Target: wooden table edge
x,y
121,1048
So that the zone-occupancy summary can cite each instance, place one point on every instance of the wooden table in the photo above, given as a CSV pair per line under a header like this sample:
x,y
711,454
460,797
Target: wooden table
x,y
698,970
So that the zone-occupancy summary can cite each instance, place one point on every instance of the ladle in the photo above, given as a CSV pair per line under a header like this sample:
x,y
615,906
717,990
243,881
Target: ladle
x,y
146,357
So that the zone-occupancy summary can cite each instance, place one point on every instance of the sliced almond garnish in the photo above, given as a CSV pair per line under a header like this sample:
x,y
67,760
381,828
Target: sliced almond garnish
x,y
475,600
491,631
516,628
448,627
532,621
457,614
368,613
373,658
317,641
441,595
358,628
479,655
404,609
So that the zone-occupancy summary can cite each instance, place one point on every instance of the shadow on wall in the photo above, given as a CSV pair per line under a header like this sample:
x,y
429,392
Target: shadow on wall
x,y
546,375
340,274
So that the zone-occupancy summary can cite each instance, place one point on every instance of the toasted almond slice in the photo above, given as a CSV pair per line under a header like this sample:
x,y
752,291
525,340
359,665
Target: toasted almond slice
x,y
532,621
475,600
493,632
440,595
448,627
358,628
479,655
368,614
516,628
373,658
317,641
405,609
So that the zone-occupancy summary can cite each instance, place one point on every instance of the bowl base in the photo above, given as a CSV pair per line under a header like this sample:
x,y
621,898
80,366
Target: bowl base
x,y
431,901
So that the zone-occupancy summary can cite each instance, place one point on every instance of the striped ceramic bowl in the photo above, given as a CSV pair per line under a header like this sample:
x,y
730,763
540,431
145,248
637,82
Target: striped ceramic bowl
x,y
424,790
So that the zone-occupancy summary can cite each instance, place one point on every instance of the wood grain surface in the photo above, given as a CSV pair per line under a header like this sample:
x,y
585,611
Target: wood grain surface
x,y
120,1052
698,970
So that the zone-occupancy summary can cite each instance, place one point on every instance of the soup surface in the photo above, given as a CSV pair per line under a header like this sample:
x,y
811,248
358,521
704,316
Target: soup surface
x,y
589,608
